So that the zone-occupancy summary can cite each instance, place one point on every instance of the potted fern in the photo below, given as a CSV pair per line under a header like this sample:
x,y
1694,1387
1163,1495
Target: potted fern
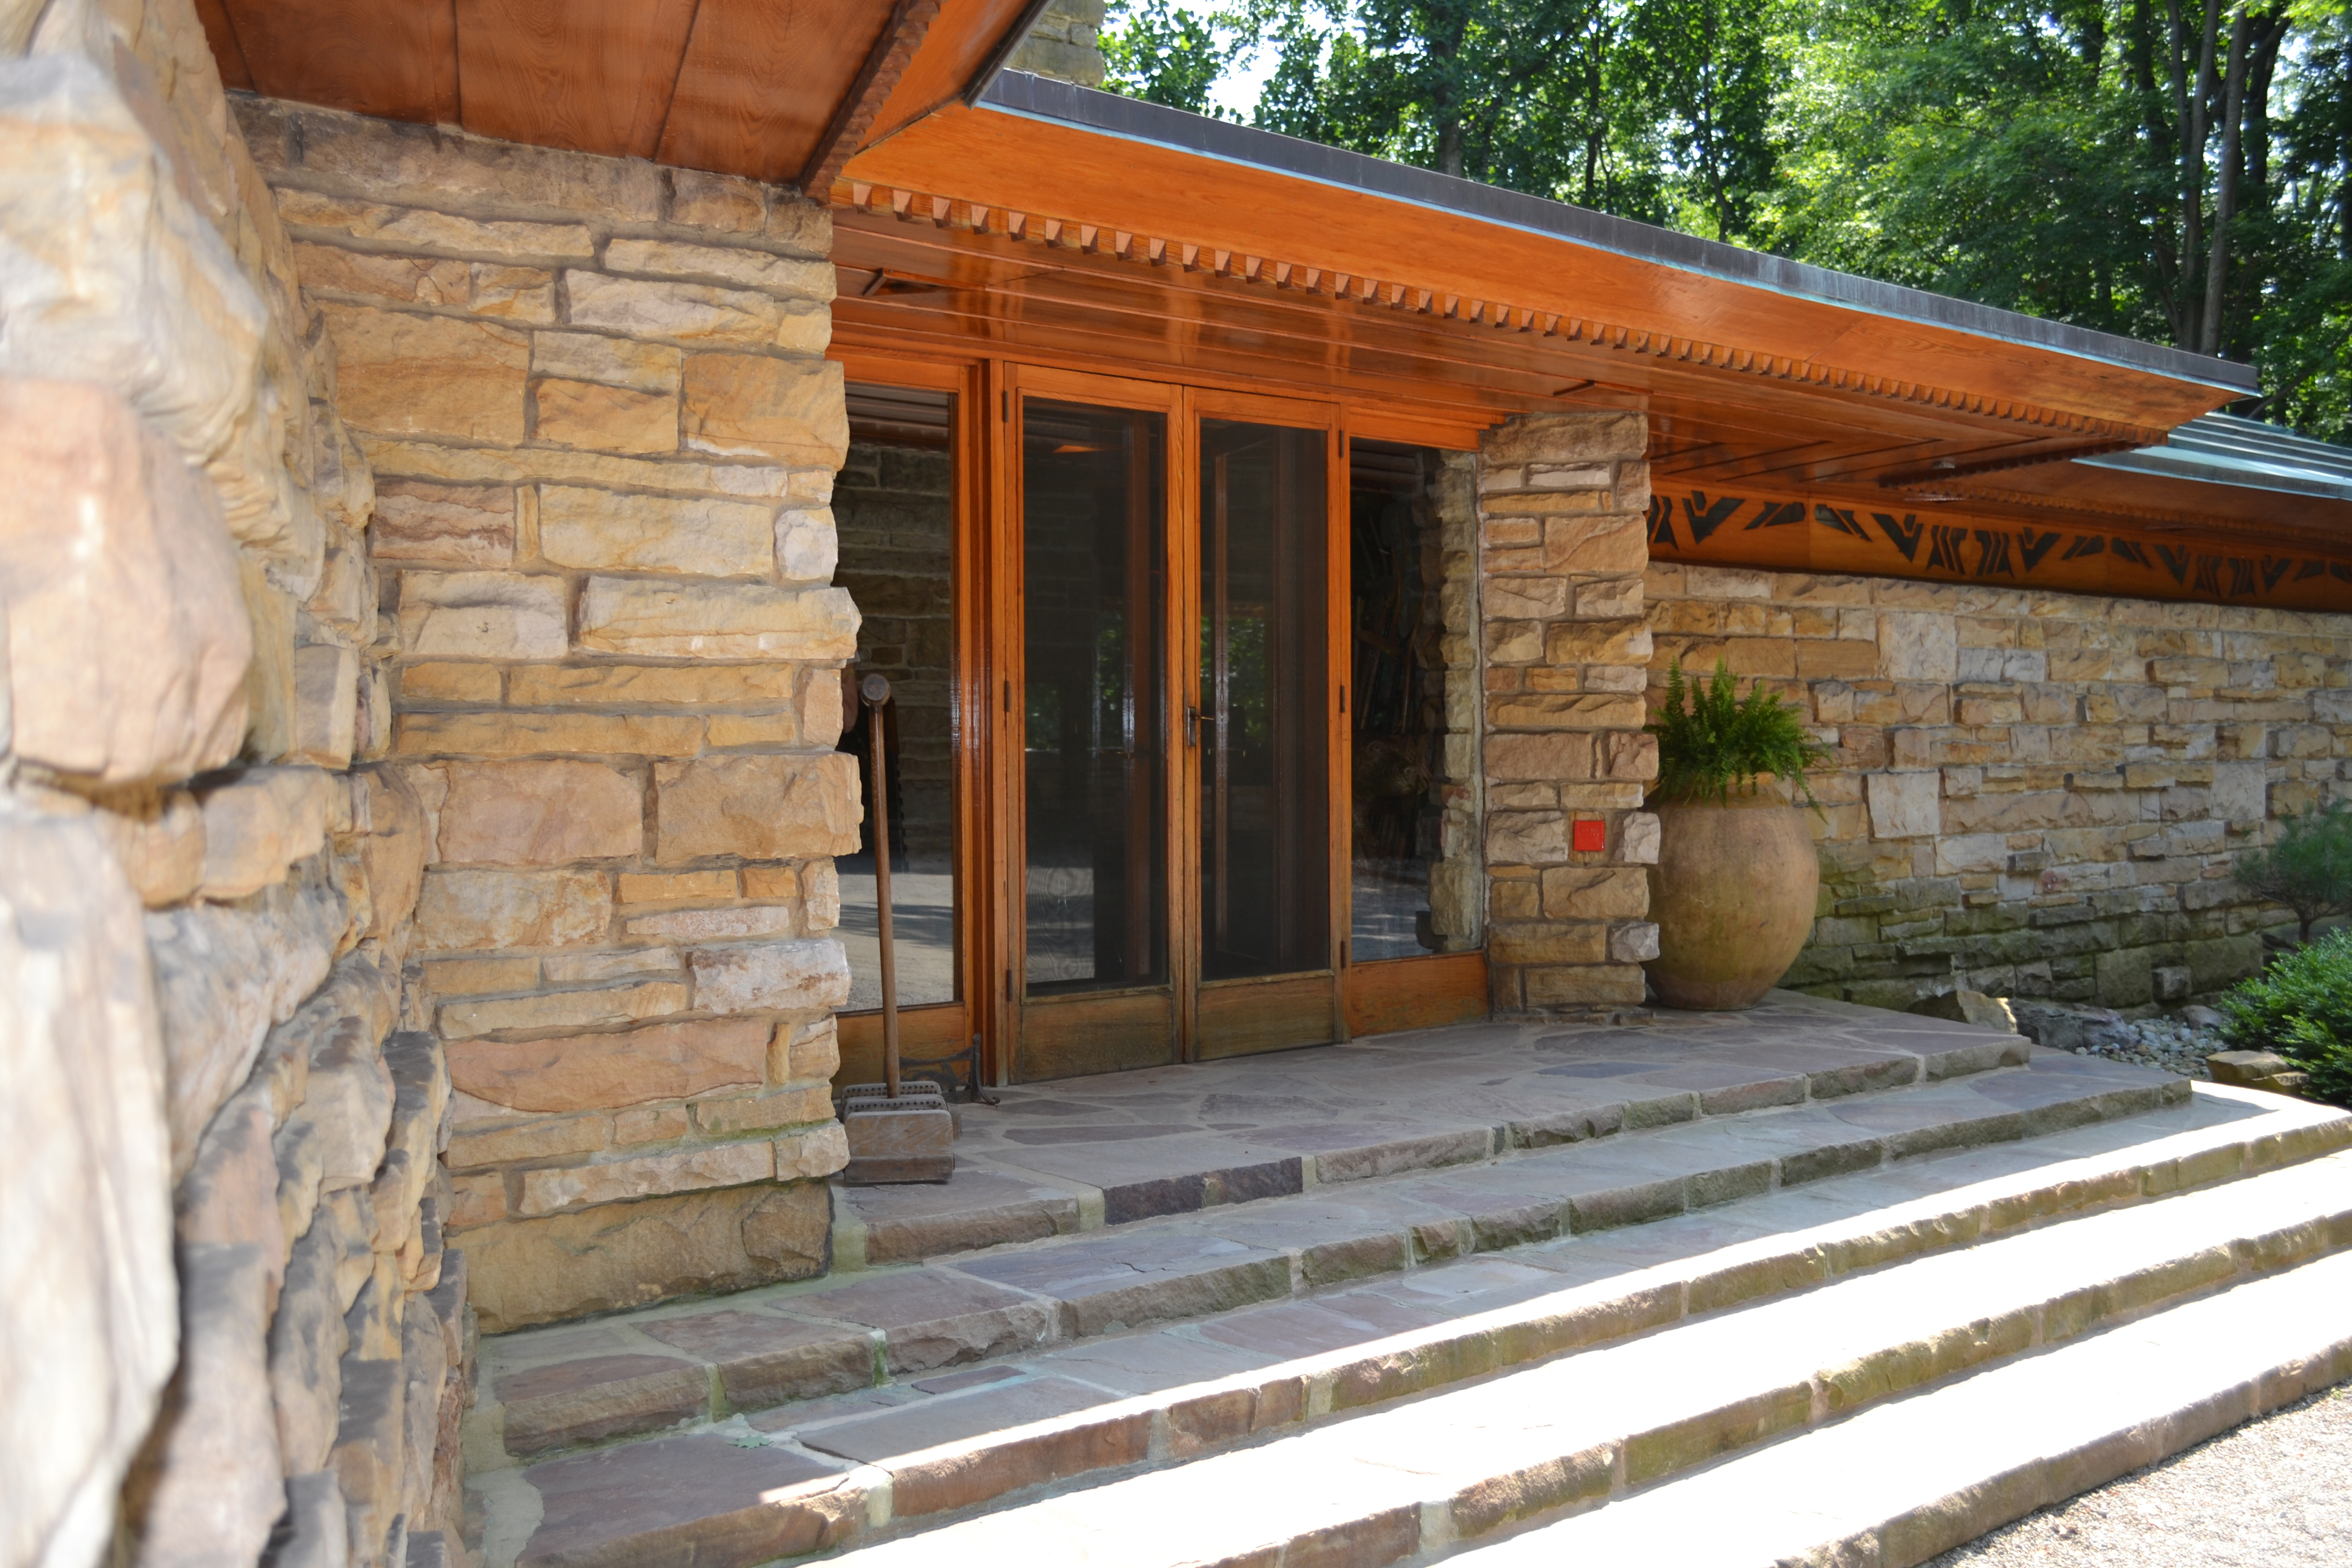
x,y
1734,889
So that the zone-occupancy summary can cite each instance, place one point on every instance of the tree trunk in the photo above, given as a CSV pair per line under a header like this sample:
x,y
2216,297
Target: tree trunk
x,y
2225,194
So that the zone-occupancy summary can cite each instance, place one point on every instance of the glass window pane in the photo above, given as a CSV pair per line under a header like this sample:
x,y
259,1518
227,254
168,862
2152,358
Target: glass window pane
x,y
1093,721
1264,757
1413,697
894,504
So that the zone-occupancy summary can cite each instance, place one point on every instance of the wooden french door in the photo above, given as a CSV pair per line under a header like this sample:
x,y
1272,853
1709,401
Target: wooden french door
x,y
1170,758
1118,614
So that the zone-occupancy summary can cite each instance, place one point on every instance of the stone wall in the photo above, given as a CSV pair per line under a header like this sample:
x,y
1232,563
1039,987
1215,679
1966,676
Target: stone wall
x,y
2036,794
1561,504
222,1280
604,436
1066,42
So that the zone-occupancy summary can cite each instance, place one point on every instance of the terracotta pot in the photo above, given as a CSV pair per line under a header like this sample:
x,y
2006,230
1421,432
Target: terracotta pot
x,y
1732,894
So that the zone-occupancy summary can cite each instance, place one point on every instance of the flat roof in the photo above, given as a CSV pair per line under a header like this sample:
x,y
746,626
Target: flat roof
x,y
1045,98
2223,449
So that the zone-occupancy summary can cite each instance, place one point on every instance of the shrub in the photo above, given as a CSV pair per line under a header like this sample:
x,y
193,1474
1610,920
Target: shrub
x,y
2309,870
1710,740
2301,1007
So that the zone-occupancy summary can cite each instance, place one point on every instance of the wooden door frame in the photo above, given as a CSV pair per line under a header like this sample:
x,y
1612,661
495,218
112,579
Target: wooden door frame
x,y
944,1029
987,791
1021,381
1293,414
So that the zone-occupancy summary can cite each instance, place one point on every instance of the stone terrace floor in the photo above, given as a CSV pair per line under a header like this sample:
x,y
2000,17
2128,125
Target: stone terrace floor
x,y
1083,1152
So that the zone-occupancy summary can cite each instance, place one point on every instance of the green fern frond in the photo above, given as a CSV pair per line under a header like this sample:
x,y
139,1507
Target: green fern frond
x,y
1711,739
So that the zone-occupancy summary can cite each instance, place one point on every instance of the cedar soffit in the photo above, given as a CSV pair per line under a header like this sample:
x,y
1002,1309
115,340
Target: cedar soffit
x,y
774,90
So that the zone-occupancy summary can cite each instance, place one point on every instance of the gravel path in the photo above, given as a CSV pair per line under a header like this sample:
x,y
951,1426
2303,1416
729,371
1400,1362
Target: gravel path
x,y
2270,1493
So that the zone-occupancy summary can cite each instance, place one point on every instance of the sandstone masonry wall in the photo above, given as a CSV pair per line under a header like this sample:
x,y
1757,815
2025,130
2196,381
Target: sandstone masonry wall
x,y
2036,794
604,436
228,1326
1066,42
1561,504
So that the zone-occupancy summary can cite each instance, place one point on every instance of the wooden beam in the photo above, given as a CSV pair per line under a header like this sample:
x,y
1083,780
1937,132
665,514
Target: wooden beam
x,y
884,63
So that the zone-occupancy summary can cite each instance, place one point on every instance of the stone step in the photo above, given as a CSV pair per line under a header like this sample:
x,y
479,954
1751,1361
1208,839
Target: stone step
x,y
863,1464
547,1390
1085,1154
1412,1479
1903,1482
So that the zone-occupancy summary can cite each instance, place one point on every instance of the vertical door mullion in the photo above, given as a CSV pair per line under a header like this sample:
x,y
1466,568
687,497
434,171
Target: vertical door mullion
x,y
1013,859
1340,643
1183,667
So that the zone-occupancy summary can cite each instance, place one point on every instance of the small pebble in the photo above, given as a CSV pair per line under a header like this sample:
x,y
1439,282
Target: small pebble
x,y
2164,1043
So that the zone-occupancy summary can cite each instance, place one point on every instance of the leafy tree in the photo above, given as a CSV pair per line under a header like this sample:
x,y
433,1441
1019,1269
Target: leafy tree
x,y
2308,868
1162,55
2176,170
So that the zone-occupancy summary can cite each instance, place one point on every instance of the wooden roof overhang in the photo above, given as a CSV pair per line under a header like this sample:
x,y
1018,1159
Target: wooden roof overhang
x,y
1054,222
779,91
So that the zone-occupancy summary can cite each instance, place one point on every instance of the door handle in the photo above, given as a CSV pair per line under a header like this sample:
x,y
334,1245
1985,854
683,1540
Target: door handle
x,y
1191,724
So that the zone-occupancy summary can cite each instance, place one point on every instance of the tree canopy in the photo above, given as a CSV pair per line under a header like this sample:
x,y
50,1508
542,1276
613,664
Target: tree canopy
x,y
2176,170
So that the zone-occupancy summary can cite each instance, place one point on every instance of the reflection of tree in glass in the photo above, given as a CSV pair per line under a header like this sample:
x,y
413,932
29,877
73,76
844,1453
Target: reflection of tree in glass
x,y
1110,684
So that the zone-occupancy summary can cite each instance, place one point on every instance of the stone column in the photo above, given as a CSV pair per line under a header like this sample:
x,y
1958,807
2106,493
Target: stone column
x,y
1562,500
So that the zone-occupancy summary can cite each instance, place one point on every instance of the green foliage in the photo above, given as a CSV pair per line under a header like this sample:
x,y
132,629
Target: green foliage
x,y
2309,868
1162,55
2301,1007
2065,158
1712,741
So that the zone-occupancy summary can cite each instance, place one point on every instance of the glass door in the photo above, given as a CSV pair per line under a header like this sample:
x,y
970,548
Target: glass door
x,y
1264,694
1093,984
1171,888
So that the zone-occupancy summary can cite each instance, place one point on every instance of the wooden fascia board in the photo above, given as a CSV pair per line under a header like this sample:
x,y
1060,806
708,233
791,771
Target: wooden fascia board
x,y
1045,167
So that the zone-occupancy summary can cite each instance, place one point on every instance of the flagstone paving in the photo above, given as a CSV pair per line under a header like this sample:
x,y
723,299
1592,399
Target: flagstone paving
x,y
1112,1150
1819,1099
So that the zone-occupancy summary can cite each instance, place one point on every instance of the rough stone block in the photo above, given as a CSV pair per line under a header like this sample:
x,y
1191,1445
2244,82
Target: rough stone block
x,y
259,823
789,1107
601,529
570,1009
698,315
603,418
524,1271
547,1191
1906,805
750,406
784,977
717,620
305,1349
616,361
786,277
160,842
435,376
586,1072
539,814
460,910
211,1489
808,547
326,706
127,639
229,1195
314,1531
762,807
370,1440
509,734
482,614
1917,645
